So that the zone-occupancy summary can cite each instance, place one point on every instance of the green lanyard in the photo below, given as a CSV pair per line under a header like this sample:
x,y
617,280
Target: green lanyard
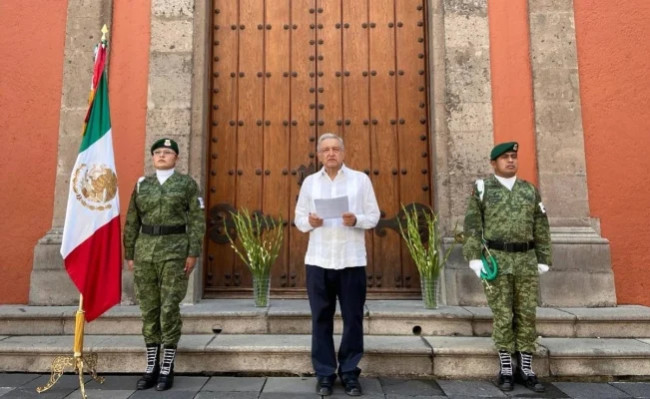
x,y
489,265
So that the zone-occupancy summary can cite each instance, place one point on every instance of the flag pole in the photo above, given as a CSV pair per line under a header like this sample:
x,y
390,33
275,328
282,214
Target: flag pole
x,y
79,344
78,360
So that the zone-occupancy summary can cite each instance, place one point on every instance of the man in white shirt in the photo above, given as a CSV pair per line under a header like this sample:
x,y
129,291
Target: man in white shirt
x,y
335,262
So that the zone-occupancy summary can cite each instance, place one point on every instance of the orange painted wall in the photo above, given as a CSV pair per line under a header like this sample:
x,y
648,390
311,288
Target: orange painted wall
x,y
614,71
32,35
512,91
128,80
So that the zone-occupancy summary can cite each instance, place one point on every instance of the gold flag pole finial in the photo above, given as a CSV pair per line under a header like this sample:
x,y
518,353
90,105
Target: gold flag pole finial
x,y
104,32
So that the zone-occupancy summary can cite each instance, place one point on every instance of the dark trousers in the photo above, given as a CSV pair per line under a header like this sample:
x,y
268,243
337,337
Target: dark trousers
x,y
323,287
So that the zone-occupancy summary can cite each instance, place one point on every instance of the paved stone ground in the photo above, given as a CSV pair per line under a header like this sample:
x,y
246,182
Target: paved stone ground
x,y
22,385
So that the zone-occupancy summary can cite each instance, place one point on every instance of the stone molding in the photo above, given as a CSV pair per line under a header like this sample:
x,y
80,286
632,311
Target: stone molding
x,y
579,252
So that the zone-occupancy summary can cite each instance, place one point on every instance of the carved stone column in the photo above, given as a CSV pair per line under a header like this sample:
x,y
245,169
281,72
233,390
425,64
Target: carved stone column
x,y
463,128
582,273
178,81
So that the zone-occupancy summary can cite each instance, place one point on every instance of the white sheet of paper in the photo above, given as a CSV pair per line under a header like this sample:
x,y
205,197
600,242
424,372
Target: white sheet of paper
x,y
331,208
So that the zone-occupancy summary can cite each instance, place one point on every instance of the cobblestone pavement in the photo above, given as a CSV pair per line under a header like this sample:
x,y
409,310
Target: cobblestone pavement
x,y
23,385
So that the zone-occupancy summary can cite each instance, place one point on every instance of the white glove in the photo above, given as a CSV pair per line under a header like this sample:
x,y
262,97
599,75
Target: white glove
x,y
542,268
477,267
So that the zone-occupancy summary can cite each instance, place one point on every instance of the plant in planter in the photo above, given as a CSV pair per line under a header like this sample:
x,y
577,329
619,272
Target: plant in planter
x,y
419,229
261,240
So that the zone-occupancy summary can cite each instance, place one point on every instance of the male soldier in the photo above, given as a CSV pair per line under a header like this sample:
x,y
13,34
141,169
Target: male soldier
x,y
335,263
506,215
163,237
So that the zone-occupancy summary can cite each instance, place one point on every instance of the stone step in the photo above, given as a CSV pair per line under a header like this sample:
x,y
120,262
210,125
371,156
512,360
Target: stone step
x,y
435,356
383,317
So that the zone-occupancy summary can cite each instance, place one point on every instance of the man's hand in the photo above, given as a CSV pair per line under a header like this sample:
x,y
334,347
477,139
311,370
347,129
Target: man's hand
x,y
477,267
189,265
542,268
349,219
315,221
129,264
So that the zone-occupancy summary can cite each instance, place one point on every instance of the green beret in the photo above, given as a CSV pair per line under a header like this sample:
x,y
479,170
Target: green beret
x,y
165,143
502,148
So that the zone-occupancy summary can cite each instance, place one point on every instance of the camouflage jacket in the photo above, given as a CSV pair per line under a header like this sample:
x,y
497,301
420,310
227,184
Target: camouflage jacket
x,y
508,216
176,202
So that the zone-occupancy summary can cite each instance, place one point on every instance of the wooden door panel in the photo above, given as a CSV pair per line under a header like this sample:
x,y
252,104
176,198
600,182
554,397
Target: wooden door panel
x,y
303,136
286,71
329,85
414,146
385,146
250,149
277,109
355,38
223,162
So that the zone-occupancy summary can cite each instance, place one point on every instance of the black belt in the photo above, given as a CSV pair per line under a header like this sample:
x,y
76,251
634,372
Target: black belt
x,y
511,246
159,230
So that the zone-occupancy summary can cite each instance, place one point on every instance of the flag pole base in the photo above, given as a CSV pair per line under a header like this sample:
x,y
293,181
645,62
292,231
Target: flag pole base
x,y
77,363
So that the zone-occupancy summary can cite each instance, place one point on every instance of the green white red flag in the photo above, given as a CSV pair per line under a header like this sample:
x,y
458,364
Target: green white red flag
x,y
91,246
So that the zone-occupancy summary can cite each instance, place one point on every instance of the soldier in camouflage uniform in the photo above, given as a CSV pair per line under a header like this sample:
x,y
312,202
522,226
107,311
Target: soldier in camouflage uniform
x,y
506,215
163,237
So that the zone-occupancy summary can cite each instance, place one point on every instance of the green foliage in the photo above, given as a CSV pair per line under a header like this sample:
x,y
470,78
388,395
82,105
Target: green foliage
x,y
423,240
260,241
424,243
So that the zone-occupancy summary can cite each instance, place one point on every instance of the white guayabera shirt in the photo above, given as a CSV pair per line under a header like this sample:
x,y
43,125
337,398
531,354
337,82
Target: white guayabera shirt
x,y
333,245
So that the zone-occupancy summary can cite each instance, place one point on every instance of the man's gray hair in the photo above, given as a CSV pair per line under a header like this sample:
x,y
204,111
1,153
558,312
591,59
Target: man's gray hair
x,y
326,136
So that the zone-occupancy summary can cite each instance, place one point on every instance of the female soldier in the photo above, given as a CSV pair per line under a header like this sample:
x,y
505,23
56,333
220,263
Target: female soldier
x,y
163,237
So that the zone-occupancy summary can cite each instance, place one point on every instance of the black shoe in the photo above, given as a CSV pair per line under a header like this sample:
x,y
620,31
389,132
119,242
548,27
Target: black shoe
x,y
150,375
505,382
147,381
166,376
324,385
352,386
165,381
524,373
530,381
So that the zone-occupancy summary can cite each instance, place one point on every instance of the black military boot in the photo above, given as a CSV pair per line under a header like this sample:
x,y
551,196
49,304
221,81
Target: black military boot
x,y
166,376
525,374
153,368
505,380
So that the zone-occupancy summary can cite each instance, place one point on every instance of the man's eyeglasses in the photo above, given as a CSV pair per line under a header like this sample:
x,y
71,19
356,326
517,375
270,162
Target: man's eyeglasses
x,y
335,150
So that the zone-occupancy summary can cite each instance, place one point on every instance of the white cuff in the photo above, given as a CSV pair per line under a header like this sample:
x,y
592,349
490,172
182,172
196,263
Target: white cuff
x,y
477,266
542,268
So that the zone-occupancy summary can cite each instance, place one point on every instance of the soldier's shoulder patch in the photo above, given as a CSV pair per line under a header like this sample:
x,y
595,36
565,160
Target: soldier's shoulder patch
x,y
140,180
480,188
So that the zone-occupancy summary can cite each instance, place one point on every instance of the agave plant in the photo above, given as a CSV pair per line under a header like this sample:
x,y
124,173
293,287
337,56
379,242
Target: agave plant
x,y
419,229
260,243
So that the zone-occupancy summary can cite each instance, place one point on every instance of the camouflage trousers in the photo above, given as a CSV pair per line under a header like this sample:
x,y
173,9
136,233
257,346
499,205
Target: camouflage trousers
x,y
513,300
160,287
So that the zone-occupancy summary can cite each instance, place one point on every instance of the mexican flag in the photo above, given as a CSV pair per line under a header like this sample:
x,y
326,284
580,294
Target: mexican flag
x,y
91,246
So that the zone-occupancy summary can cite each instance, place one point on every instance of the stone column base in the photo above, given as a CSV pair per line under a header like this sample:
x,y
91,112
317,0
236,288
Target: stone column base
x,y
581,275
50,283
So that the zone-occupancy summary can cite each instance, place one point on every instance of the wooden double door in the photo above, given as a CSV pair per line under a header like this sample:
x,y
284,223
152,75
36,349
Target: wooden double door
x,y
285,72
